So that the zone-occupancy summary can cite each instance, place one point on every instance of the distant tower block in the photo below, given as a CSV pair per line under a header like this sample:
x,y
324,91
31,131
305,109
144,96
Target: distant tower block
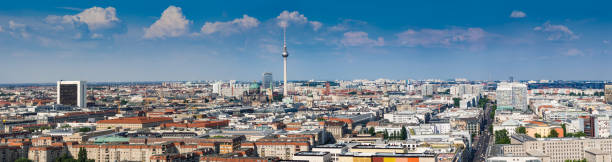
x,y
71,93
267,82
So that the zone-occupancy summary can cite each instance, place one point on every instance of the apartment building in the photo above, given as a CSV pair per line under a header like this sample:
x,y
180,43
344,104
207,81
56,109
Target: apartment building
x,y
45,153
281,149
558,149
122,152
132,122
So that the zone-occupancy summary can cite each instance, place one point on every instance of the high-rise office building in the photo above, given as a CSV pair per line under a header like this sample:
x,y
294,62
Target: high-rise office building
x,y
512,96
608,93
267,82
427,89
71,93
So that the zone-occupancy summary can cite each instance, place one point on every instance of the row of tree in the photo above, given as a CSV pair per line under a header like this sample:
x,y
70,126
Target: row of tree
x,y
402,135
82,157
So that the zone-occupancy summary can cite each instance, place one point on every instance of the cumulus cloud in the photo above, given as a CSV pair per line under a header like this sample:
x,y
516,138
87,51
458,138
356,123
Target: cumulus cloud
x,y
95,18
517,14
556,32
171,24
440,37
360,38
236,25
286,18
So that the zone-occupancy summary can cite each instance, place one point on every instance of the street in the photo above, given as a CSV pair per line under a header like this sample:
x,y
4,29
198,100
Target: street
x,y
480,149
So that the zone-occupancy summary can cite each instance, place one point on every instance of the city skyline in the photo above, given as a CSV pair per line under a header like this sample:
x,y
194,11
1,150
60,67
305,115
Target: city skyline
x,y
43,42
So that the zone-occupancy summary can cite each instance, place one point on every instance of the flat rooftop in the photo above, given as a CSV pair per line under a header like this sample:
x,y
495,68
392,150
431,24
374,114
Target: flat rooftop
x,y
311,153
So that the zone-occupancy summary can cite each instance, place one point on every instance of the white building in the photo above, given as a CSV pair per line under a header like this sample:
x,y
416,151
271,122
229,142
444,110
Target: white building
x,y
512,96
404,117
462,89
71,93
427,89
312,156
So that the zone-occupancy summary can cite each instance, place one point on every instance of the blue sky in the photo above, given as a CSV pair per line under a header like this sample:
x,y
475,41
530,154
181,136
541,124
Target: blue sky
x,y
45,41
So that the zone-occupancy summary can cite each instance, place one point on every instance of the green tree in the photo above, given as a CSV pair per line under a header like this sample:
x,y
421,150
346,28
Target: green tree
x,y
404,133
564,131
371,131
521,130
553,134
580,134
501,137
65,158
84,129
82,155
490,128
22,159
385,134
456,102
537,135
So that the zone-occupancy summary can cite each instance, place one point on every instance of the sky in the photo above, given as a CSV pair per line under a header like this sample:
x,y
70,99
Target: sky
x,y
111,40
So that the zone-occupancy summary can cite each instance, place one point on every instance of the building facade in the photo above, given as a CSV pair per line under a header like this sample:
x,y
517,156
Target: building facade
x,y
512,96
71,93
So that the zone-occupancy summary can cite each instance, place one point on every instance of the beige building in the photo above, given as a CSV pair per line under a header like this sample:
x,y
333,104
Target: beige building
x,y
122,152
282,150
378,149
313,156
558,149
608,93
132,122
45,153
337,129
13,151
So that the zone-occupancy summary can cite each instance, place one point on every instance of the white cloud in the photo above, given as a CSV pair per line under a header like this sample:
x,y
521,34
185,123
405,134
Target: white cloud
x,y
235,25
574,52
15,25
18,30
95,17
171,24
347,24
286,18
518,14
604,41
440,37
556,32
360,38
316,25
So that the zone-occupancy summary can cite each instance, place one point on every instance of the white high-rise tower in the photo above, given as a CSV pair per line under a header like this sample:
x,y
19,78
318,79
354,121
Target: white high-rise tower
x,y
285,55
72,93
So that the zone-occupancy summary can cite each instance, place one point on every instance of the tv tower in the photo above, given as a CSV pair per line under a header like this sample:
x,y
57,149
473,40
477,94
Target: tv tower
x,y
285,55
